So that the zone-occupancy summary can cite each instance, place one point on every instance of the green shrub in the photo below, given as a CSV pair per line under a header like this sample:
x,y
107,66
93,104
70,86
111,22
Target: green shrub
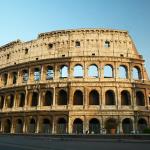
x,y
146,130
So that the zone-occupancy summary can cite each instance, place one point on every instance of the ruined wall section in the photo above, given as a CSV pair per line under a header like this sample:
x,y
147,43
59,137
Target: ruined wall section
x,y
63,44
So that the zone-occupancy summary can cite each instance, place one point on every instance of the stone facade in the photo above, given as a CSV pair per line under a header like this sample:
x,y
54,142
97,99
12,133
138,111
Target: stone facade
x,y
74,81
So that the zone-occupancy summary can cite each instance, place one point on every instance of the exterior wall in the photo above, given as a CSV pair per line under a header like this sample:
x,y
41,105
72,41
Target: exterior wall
x,y
57,49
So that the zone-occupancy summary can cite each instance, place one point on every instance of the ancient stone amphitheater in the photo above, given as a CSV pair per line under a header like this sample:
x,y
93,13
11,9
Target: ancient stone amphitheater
x,y
73,82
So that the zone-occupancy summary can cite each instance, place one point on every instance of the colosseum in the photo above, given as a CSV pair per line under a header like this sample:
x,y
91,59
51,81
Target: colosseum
x,y
74,82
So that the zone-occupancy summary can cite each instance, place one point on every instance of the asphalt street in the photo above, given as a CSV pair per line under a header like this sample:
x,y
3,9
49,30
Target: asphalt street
x,y
49,143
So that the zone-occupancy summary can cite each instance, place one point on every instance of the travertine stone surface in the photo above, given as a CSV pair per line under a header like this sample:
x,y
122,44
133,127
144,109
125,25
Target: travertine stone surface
x,y
22,101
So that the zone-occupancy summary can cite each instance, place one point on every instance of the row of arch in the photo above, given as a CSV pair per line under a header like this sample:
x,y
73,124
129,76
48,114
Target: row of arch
x,y
78,72
78,98
94,126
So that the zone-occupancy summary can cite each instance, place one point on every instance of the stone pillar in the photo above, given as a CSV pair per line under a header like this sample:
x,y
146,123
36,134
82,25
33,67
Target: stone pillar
x,y
25,125
42,73
29,99
4,105
69,96
56,72
85,75
119,97
133,97
45,73
102,124
6,101
53,126
85,103
115,71
146,95
12,126
26,97
85,125
85,71
116,96
15,104
40,97
20,78
102,98
31,76
99,71
120,125
70,125
130,72
70,71
9,79
37,125
54,97
2,125
102,70
70,90
135,124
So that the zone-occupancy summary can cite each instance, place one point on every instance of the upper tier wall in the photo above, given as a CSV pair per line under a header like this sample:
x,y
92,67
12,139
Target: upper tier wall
x,y
63,44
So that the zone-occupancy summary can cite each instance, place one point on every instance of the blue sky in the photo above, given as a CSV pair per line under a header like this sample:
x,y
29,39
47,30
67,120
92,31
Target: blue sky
x,y
25,19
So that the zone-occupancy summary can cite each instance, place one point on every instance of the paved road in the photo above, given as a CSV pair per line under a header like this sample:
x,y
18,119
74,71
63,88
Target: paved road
x,y
49,143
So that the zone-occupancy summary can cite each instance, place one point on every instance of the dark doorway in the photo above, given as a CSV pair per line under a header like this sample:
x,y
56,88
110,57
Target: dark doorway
x,y
78,98
78,126
94,126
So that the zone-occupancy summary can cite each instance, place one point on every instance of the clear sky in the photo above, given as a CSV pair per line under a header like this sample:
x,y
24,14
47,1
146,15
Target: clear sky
x,y
25,19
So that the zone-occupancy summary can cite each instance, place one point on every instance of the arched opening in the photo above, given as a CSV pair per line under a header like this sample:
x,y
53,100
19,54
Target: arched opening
x,y
77,43
50,45
48,100
125,98
5,78
19,126
10,101
46,126
37,74
140,101
1,101
61,126
35,97
7,126
64,71
49,73
32,126
94,126
93,71
107,44
110,97
14,77
21,102
62,97
94,98
136,73
127,125
123,72
111,126
142,124
26,51
108,71
78,71
25,76
78,126
78,98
